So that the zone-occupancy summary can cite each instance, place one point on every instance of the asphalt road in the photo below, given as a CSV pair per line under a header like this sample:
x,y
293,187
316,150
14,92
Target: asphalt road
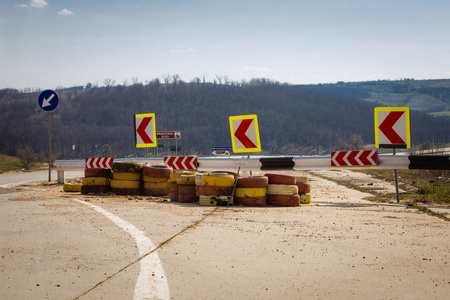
x,y
56,245
16,178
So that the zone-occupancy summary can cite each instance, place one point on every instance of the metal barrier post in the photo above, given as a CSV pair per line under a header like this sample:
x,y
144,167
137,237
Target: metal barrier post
x,y
61,177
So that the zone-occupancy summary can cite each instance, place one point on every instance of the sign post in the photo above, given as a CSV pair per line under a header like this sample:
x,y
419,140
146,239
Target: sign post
x,y
245,133
392,130
48,101
170,135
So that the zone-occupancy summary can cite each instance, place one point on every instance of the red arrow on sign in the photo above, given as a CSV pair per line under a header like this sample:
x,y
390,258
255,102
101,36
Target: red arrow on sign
x,y
168,161
387,124
367,158
181,162
177,163
351,158
241,133
141,130
337,158
186,162
354,158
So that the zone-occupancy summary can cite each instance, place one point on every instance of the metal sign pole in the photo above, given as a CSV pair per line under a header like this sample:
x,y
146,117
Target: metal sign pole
x,y
387,136
396,181
48,101
49,148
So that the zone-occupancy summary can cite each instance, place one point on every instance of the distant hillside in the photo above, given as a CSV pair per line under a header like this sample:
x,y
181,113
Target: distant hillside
x,y
292,119
430,96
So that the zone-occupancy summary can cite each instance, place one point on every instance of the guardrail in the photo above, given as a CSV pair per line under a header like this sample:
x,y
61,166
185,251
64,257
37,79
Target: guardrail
x,y
296,163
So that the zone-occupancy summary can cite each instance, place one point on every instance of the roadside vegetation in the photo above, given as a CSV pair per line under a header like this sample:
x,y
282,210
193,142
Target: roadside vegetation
x,y
422,186
9,163
430,96
292,118
27,161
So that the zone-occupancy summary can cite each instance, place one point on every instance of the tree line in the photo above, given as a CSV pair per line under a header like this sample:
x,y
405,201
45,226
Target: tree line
x,y
292,119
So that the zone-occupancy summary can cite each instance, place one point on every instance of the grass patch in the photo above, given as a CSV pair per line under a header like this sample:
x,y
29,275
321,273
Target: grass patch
x,y
431,187
427,211
425,186
10,163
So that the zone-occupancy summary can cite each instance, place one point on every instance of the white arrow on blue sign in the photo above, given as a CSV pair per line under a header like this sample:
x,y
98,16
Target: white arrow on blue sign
x,y
48,100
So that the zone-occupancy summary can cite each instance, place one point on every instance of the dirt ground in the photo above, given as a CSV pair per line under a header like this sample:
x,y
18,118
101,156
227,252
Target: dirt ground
x,y
338,247
370,183
358,179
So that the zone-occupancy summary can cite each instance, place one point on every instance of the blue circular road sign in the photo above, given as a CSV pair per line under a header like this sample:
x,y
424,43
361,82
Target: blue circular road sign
x,y
48,100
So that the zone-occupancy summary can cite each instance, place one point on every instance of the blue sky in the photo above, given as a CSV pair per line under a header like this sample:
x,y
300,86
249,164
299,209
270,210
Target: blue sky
x,y
53,43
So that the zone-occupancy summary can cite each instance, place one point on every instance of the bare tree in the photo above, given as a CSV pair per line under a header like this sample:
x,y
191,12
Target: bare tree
x,y
109,82
176,78
27,157
354,143
166,79
135,80
196,81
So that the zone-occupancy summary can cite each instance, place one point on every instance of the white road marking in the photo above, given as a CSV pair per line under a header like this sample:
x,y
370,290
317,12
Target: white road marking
x,y
5,186
152,281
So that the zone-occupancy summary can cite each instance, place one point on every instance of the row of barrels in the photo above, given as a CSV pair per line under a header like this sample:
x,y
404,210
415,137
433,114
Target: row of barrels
x,y
218,188
211,189
214,188
127,179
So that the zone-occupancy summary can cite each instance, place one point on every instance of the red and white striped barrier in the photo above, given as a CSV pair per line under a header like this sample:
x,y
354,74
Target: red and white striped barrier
x,y
385,161
354,158
181,162
99,162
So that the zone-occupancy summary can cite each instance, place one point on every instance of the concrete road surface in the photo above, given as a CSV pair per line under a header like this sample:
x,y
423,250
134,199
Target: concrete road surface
x,y
56,245
16,178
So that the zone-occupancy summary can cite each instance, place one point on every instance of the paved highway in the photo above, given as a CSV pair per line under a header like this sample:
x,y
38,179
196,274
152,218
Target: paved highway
x,y
16,178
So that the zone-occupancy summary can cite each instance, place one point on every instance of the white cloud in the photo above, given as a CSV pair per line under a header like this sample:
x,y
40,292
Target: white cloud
x,y
183,50
65,12
34,3
38,3
250,68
